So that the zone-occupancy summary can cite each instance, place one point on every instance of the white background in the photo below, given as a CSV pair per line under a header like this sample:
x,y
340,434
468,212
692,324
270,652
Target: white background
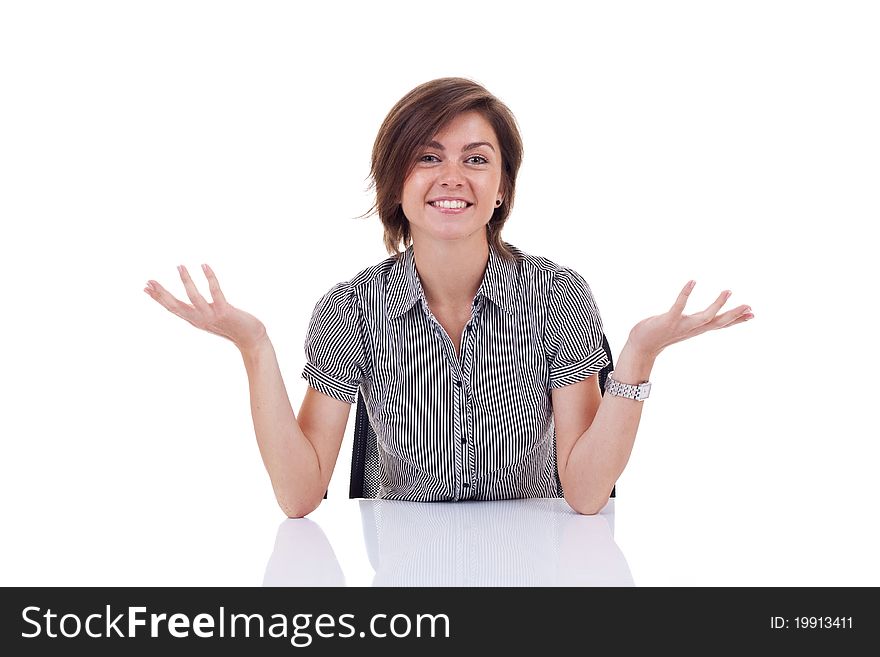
x,y
733,143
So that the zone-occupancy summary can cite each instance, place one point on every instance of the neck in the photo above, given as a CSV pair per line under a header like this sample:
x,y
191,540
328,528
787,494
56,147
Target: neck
x,y
451,272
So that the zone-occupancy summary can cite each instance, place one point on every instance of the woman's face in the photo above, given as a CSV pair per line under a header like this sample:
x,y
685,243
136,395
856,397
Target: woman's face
x,y
451,193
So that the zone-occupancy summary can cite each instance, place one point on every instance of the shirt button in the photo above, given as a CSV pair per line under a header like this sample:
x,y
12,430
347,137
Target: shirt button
x,y
466,485
458,383
464,441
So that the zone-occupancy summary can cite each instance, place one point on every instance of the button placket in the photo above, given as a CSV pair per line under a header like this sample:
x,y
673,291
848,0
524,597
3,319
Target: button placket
x,y
462,420
457,416
458,428
467,357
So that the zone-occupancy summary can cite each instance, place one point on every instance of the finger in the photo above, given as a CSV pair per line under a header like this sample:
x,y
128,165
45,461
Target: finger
x,y
694,325
724,319
681,301
741,314
213,285
169,301
191,290
710,312
739,320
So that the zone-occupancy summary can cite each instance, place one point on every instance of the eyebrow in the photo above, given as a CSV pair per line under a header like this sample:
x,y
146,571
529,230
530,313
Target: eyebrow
x,y
439,146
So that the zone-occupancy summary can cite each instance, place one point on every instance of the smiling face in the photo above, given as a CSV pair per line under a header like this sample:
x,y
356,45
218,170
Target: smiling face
x,y
451,192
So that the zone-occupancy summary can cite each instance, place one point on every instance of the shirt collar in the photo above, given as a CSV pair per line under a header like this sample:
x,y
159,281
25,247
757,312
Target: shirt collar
x,y
403,287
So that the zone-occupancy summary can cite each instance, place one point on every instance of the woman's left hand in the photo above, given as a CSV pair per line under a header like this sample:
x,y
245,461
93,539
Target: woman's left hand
x,y
652,335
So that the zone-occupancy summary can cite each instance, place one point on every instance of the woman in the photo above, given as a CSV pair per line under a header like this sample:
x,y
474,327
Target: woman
x,y
471,355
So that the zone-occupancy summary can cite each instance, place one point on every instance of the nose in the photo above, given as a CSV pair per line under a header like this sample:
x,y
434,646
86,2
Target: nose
x,y
451,174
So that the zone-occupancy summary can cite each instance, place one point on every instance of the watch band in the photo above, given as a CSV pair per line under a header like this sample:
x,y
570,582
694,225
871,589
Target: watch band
x,y
638,392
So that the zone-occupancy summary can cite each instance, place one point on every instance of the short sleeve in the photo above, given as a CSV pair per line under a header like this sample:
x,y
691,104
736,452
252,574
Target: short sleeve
x,y
573,333
335,361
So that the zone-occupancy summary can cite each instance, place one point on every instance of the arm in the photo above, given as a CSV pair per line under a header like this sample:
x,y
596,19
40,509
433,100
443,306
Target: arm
x,y
595,434
299,455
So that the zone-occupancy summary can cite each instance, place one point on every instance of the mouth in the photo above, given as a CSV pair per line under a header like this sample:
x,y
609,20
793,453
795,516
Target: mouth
x,y
448,206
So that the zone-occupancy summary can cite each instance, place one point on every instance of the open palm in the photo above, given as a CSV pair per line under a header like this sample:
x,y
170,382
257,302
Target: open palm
x,y
218,317
650,336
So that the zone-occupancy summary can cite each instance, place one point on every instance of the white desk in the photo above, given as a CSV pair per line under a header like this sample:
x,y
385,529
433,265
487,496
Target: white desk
x,y
536,542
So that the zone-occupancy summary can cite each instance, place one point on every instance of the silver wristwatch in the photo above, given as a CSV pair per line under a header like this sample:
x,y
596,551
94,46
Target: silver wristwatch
x,y
638,392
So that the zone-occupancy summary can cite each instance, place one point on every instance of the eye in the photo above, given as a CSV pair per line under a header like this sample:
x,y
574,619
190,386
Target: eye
x,y
429,158
477,159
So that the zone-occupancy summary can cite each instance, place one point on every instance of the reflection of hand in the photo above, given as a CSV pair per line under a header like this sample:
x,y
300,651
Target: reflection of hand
x,y
650,336
220,318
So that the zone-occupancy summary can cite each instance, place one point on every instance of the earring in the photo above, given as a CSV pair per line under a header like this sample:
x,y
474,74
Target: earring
x,y
498,203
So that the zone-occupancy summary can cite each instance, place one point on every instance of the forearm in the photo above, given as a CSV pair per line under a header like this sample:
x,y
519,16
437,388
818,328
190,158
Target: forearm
x,y
288,455
603,450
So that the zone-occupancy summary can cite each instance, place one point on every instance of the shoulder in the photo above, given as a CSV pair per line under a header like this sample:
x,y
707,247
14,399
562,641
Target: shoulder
x,y
362,281
542,270
373,275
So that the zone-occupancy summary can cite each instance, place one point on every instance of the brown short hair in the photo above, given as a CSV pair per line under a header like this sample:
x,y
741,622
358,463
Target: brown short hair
x,y
411,124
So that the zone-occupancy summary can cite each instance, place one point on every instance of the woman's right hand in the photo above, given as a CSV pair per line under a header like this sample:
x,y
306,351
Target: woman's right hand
x,y
243,329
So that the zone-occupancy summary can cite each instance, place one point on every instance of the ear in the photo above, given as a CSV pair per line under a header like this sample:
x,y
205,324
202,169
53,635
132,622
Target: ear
x,y
502,192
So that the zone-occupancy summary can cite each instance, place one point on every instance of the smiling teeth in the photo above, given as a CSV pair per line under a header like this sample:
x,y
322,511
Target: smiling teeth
x,y
450,205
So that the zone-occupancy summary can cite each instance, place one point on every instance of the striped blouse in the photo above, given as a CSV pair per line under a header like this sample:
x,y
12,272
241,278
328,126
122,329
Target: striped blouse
x,y
450,427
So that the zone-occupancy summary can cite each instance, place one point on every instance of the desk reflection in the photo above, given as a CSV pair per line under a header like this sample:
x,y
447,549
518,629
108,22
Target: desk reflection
x,y
534,542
